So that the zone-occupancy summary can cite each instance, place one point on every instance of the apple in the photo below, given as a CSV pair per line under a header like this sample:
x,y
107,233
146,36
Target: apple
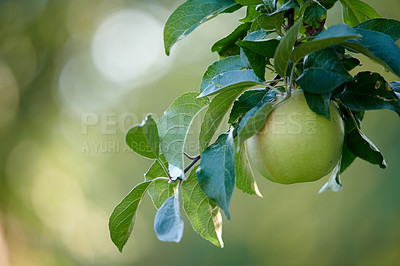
x,y
297,145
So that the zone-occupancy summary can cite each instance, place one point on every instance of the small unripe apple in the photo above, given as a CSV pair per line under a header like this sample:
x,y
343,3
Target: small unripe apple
x,y
297,145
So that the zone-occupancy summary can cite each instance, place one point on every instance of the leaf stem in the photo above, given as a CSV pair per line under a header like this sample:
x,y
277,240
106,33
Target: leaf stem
x,y
195,160
163,167
189,157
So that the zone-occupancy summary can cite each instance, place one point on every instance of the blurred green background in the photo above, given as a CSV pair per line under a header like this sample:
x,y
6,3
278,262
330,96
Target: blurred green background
x,y
74,75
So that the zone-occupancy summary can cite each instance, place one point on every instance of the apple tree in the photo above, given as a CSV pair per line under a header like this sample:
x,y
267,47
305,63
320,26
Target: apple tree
x,y
279,49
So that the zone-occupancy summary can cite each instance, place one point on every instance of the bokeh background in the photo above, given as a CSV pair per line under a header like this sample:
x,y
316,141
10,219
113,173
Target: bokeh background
x,y
75,75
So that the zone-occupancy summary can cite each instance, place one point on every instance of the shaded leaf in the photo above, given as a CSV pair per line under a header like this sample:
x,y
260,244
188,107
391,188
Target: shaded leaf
x,y
255,61
174,126
323,72
389,27
230,80
334,182
245,180
369,91
248,100
168,223
216,172
285,48
355,11
251,14
333,35
159,190
249,2
271,21
227,46
202,212
314,15
225,65
379,47
361,146
347,157
327,3
319,103
253,121
349,62
143,139
189,16
257,43
219,106
122,218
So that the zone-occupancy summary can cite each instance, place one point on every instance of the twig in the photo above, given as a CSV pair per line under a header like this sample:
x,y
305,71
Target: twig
x,y
195,160
189,157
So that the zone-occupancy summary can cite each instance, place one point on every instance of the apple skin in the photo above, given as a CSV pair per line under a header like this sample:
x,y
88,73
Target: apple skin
x,y
297,145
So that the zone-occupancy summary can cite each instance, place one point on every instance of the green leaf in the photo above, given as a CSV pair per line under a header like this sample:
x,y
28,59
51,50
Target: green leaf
x,y
349,62
259,45
202,212
121,220
230,80
379,47
225,65
216,172
219,106
369,91
323,72
160,189
247,101
354,12
255,61
347,157
249,2
327,3
333,35
251,14
143,139
389,27
253,121
174,126
285,48
245,180
319,103
227,46
314,15
361,146
269,22
168,223
189,16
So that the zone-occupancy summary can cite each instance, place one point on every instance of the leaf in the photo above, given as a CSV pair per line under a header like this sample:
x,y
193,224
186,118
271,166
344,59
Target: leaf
x,y
333,183
143,139
160,189
202,212
319,103
395,85
369,91
249,2
248,100
314,15
285,48
379,47
323,72
121,220
245,180
219,106
354,12
389,27
230,80
327,3
189,16
333,35
168,223
271,21
255,61
225,65
347,157
251,14
257,43
349,62
227,46
253,121
174,126
216,172
361,146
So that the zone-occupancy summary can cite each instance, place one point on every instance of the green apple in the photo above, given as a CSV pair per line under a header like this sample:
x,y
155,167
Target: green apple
x,y
297,145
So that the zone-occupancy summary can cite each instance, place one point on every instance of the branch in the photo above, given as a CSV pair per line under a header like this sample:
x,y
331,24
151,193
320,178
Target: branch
x,y
195,160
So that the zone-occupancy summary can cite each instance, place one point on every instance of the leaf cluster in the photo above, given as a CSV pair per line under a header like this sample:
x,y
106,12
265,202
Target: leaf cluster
x,y
279,46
